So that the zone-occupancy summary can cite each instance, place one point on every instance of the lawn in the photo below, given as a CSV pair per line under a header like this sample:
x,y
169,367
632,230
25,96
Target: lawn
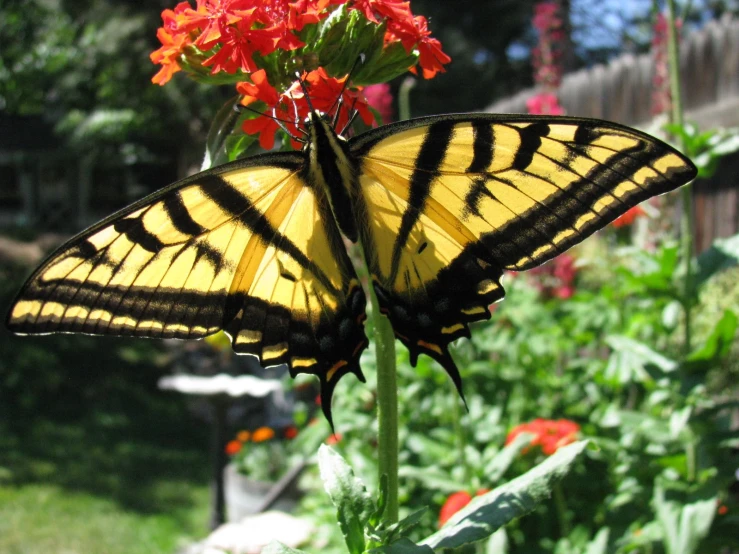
x,y
72,488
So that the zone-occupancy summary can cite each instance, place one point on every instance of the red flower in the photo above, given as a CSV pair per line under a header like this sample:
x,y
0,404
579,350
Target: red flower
x,y
411,31
324,91
628,217
296,14
549,434
291,432
233,447
455,502
556,279
239,43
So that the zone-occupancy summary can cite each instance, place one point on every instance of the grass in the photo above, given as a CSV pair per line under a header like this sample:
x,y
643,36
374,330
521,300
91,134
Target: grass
x,y
75,488
43,518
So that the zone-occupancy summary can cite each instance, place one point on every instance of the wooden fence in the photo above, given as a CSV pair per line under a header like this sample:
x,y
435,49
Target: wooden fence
x,y
621,91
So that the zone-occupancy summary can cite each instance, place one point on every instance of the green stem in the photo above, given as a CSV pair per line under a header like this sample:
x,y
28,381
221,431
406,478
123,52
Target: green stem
x,y
460,435
387,407
561,507
686,218
690,459
404,100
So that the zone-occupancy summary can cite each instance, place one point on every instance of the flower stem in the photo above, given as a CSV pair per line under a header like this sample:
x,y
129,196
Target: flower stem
x,y
561,507
686,217
387,407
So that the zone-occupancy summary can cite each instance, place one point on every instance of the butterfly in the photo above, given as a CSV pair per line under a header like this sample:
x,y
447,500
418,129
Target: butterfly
x,y
440,205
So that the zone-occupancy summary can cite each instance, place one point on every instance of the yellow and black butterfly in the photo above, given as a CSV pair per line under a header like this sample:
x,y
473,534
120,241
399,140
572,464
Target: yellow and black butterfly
x,y
442,205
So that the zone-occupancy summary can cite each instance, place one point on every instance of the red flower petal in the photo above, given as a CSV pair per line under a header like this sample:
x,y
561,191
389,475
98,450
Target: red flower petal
x,y
454,502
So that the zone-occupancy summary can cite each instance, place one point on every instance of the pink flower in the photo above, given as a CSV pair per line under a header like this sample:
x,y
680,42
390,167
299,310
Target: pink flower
x,y
379,97
544,104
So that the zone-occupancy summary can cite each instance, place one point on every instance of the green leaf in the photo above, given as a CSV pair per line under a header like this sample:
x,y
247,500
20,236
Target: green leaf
x,y
276,547
402,546
401,528
717,345
630,361
220,129
348,494
723,254
488,513
497,467
376,516
685,518
599,544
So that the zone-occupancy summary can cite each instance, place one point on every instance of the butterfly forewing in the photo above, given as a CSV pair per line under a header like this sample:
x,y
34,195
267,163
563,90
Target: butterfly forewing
x,y
247,247
452,201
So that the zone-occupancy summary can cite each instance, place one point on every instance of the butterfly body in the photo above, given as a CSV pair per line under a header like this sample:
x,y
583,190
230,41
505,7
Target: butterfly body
x,y
440,205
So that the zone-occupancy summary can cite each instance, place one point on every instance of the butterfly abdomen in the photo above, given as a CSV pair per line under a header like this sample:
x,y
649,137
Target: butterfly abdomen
x,y
332,167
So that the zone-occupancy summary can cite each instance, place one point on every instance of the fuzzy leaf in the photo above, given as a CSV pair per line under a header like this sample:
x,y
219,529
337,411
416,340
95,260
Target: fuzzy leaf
x,y
402,546
348,494
488,513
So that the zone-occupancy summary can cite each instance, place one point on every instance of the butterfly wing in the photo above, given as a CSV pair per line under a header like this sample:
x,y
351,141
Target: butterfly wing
x,y
450,202
247,247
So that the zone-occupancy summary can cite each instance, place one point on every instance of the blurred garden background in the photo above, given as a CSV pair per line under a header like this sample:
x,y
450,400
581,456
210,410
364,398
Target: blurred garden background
x,y
101,453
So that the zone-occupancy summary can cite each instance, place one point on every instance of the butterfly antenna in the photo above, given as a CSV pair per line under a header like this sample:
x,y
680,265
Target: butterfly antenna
x,y
305,91
352,117
338,103
340,99
297,117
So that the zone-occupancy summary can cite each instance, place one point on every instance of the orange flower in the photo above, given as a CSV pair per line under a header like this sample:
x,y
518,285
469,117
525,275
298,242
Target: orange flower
x,y
262,434
291,432
629,217
233,447
722,509
168,55
549,434
243,436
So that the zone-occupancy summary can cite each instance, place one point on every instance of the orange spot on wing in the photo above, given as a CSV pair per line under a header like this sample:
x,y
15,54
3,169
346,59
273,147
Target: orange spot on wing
x,y
338,365
430,346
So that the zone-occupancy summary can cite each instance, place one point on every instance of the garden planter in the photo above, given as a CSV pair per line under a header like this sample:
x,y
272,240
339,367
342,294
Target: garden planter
x,y
246,496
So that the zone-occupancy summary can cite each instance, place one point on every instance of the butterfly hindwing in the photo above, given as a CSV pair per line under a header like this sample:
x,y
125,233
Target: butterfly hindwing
x,y
450,202
247,247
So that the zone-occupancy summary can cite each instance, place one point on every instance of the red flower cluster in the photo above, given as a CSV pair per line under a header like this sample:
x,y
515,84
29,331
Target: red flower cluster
x,y
411,31
455,502
628,217
231,32
547,57
661,93
549,434
556,279
291,107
